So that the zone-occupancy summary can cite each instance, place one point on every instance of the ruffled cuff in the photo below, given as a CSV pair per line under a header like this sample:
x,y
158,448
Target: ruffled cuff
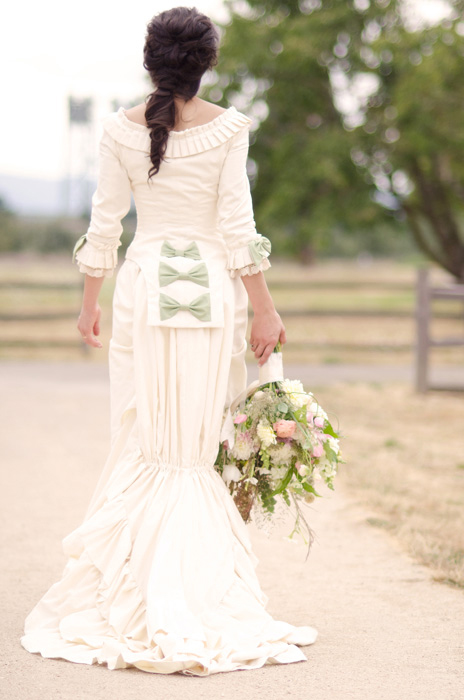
x,y
93,261
250,259
94,272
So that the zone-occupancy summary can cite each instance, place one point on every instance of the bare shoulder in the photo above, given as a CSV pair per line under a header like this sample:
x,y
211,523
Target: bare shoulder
x,y
192,113
137,114
196,112
208,109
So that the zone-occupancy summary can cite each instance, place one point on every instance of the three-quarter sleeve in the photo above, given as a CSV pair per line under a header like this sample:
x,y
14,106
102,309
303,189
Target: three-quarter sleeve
x,y
247,249
96,250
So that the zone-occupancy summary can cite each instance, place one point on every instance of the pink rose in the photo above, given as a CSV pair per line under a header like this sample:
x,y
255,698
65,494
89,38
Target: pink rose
x,y
241,418
319,422
318,450
284,428
309,417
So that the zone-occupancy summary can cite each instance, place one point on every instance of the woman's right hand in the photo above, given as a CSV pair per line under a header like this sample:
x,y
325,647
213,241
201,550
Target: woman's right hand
x,y
88,325
266,330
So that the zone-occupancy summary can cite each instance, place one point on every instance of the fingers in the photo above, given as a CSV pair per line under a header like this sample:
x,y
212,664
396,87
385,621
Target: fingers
x,y
88,325
266,353
258,350
283,336
89,339
88,336
263,351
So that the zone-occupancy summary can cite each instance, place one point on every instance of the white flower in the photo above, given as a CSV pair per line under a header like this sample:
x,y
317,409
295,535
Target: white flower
x,y
243,447
316,474
277,473
230,473
327,469
334,444
281,454
258,394
263,470
266,434
295,392
317,410
303,469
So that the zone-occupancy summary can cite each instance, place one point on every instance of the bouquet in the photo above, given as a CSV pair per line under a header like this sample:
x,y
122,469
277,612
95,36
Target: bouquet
x,y
280,442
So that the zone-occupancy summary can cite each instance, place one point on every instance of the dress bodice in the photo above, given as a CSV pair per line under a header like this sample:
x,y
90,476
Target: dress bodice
x,y
201,195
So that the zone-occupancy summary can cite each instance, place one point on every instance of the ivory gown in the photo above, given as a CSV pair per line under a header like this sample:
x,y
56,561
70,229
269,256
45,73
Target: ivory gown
x,y
161,575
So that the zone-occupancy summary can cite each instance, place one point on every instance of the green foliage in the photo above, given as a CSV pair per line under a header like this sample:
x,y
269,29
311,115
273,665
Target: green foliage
x,y
49,234
8,229
321,173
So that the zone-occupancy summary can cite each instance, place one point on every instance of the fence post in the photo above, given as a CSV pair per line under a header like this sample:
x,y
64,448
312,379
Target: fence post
x,y
422,329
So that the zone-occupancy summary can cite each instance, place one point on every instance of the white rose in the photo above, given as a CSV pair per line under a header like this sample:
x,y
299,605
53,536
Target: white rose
x,y
317,410
295,392
230,473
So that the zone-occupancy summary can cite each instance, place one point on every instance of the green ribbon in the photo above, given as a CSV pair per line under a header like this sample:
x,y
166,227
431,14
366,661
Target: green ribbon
x,y
199,307
191,251
80,242
259,249
168,274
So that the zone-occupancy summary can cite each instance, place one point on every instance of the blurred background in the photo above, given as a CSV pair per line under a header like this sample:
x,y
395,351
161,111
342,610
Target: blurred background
x,y
357,173
355,163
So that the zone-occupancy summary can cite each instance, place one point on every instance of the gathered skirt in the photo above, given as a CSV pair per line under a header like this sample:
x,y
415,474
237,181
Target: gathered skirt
x,y
161,574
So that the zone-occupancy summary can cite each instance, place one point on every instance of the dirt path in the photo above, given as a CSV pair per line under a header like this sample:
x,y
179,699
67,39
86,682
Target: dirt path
x,y
386,630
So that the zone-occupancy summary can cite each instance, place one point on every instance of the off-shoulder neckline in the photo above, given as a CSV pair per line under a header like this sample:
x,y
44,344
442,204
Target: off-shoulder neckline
x,y
187,142
199,128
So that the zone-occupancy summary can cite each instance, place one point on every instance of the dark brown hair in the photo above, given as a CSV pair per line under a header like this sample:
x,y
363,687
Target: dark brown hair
x,y
180,46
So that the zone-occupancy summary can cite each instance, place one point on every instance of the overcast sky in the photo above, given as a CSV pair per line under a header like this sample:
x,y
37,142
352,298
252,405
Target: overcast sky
x,y
51,48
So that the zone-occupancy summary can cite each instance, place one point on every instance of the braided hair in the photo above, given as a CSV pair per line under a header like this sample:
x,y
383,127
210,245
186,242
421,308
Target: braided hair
x,y
181,44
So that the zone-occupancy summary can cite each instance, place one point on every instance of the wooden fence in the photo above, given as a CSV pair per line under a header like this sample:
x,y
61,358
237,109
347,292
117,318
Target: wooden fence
x,y
425,294
422,316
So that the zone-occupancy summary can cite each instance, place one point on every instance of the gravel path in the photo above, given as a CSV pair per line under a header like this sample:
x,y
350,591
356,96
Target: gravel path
x,y
386,630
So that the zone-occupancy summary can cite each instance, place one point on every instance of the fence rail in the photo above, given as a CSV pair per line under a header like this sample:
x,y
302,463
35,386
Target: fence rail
x,y
425,293
421,314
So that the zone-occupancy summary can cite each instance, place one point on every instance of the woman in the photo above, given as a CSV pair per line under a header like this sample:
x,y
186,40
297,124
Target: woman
x,y
161,574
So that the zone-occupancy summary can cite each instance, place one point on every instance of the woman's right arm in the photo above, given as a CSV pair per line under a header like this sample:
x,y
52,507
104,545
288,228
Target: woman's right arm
x,y
248,250
267,327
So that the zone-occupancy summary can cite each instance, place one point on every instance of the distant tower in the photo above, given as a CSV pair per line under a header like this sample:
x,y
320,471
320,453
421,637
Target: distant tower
x,y
81,156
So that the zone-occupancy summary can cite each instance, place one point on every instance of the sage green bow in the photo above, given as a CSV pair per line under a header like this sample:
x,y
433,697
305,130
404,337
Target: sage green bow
x,y
199,307
191,251
168,274
79,243
259,249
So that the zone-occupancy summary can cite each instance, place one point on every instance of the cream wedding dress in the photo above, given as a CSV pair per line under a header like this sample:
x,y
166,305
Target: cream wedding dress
x,y
161,575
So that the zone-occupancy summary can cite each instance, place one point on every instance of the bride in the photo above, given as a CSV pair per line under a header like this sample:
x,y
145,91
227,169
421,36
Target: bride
x,y
160,575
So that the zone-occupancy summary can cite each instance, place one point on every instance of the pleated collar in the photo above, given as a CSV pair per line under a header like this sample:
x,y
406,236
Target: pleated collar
x,y
180,143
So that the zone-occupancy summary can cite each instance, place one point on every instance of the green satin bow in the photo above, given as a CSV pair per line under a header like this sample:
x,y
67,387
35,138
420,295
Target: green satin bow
x,y
168,274
259,248
80,242
199,307
191,251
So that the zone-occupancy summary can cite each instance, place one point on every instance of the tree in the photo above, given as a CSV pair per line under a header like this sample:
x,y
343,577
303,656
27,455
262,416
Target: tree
x,y
320,165
9,239
412,139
